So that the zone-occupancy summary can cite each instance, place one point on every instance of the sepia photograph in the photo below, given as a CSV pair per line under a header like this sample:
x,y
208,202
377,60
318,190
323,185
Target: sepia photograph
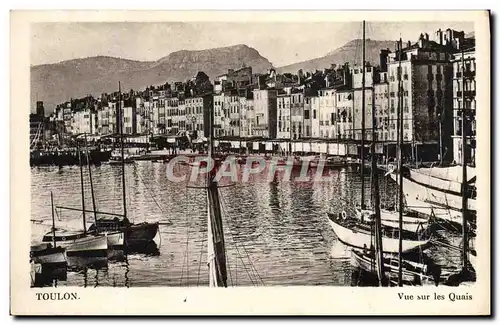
x,y
237,153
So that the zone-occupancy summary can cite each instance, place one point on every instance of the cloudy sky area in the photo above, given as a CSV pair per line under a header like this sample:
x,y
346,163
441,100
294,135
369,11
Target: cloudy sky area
x,y
280,43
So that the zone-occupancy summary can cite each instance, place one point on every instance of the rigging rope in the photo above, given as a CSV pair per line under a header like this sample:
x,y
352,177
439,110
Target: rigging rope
x,y
252,266
151,192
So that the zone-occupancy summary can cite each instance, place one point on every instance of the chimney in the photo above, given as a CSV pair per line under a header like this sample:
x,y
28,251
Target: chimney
x,y
439,36
383,59
426,36
39,108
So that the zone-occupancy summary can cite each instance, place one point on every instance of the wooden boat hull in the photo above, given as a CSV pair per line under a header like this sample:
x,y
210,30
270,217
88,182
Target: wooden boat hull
x,y
86,246
435,182
115,240
391,219
138,234
361,240
133,234
410,274
431,202
48,255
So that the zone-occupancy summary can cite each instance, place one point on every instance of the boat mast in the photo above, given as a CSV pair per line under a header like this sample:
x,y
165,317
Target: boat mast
x,y
216,245
120,126
81,183
464,173
363,127
400,166
53,219
376,199
90,179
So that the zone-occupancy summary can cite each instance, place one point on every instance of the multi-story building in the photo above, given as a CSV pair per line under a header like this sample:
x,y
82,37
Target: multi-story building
x,y
315,108
327,113
306,124
233,79
174,113
297,113
344,121
218,114
284,121
464,88
171,110
129,119
382,103
229,104
247,115
193,116
68,117
426,83
103,117
84,121
265,107
233,111
357,81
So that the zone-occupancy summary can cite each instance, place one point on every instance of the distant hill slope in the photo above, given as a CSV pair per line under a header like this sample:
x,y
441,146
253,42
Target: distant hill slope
x,y
350,52
58,82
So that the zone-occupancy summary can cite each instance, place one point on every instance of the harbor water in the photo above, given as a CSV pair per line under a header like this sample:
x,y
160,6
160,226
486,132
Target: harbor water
x,y
276,230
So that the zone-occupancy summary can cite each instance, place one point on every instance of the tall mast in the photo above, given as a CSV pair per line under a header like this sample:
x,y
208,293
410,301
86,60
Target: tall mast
x,y
53,219
216,245
464,174
363,126
120,126
90,179
376,199
400,166
83,192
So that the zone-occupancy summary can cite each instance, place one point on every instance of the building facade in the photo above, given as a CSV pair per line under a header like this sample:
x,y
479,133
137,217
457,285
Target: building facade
x,y
464,95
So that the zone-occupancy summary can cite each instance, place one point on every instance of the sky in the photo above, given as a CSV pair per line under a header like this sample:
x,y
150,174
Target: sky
x,y
280,43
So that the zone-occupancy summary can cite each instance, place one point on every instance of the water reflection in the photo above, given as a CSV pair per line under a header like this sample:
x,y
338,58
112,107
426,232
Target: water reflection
x,y
273,226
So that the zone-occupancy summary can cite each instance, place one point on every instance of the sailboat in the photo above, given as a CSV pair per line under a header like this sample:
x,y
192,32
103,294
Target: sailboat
x,y
355,231
79,243
393,269
49,253
135,234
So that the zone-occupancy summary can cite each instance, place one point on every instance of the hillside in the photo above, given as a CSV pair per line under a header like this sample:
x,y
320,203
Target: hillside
x,y
350,52
56,83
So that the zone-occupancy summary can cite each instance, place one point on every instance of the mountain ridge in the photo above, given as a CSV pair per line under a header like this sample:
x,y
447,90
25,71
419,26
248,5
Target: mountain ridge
x,y
350,52
58,82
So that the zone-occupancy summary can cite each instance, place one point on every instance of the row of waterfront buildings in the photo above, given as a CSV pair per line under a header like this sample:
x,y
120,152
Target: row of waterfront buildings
x,y
322,105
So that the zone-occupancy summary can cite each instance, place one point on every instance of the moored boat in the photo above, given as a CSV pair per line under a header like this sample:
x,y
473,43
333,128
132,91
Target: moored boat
x,y
45,253
444,179
122,230
78,243
359,235
442,205
413,273
411,220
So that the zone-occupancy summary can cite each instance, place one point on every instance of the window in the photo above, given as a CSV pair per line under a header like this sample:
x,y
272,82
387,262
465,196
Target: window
x,y
314,114
306,114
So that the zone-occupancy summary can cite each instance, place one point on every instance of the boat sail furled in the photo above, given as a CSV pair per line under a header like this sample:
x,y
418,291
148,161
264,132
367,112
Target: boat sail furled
x,y
216,244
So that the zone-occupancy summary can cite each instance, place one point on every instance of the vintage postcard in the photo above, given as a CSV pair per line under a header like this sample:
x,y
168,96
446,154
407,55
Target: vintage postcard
x,y
250,163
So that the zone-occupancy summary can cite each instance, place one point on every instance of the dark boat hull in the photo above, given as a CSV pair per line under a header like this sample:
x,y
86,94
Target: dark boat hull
x,y
140,233
134,234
